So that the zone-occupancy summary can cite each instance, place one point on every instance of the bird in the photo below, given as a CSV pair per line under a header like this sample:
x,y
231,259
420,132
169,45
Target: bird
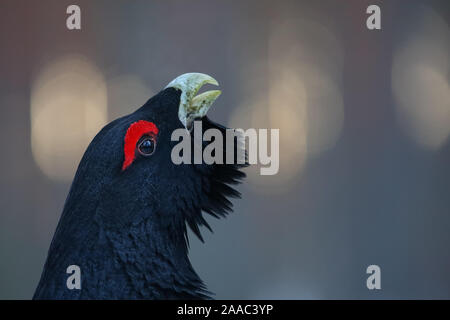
x,y
125,220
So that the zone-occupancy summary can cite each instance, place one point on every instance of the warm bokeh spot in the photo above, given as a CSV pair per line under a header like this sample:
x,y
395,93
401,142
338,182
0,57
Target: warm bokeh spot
x,y
68,107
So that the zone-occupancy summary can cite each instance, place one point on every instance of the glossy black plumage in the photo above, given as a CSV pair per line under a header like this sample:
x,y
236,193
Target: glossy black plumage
x,y
127,229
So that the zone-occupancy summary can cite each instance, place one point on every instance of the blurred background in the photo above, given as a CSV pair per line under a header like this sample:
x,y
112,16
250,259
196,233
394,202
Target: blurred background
x,y
364,119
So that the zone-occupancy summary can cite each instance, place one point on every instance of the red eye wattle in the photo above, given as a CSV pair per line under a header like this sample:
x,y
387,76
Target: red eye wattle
x,y
135,132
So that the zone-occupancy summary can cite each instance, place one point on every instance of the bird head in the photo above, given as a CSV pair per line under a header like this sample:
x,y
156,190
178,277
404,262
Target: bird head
x,y
127,172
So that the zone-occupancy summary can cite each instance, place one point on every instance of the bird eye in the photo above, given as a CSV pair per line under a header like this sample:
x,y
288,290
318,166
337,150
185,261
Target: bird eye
x,y
146,146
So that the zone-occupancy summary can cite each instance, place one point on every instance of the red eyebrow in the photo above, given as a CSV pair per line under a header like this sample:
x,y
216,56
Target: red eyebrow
x,y
135,131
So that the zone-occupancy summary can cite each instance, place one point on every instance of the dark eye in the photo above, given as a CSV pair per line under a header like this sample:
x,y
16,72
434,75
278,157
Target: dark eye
x,y
146,146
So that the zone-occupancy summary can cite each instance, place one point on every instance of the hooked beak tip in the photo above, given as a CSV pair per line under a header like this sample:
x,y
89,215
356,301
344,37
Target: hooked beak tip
x,y
194,106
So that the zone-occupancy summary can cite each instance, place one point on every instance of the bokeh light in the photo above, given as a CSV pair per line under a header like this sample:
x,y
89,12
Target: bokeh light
x,y
420,82
68,107
303,98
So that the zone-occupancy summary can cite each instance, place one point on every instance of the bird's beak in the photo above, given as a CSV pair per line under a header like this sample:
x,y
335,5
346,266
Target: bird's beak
x,y
191,106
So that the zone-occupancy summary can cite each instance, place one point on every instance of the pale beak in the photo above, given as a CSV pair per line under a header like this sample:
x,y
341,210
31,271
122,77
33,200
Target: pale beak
x,y
191,106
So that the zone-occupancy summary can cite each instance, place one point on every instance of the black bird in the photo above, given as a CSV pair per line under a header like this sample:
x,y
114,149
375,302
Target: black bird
x,y
124,220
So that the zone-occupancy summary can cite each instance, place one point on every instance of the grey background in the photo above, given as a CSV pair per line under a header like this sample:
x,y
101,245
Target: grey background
x,y
374,196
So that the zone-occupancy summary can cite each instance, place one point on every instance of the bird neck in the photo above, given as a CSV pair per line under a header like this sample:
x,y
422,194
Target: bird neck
x,y
155,254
